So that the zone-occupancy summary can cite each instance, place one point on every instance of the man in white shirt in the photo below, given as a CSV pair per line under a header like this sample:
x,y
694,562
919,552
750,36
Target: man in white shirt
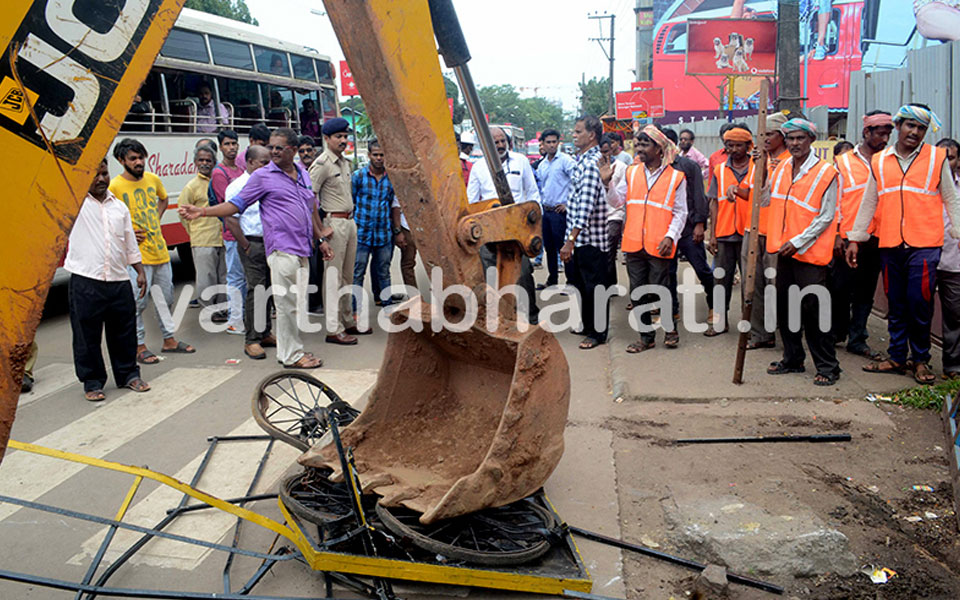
x,y
102,245
523,185
948,275
248,231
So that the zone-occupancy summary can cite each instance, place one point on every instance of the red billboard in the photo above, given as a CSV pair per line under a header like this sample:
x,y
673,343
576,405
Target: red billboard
x,y
746,47
640,104
347,86
641,85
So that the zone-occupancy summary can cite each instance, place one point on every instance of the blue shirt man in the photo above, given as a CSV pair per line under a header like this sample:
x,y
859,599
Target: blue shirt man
x,y
372,198
554,175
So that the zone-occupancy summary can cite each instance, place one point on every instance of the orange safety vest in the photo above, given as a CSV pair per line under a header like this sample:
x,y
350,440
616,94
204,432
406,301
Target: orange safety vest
x,y
910,209
764,210
794,205
732,217
649,211
855,174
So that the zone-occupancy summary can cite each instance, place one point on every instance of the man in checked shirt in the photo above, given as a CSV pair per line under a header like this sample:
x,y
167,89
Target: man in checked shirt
x,y
585,247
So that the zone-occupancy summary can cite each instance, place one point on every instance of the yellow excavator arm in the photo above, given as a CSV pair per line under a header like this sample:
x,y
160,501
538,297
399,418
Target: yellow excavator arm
x,y
68,75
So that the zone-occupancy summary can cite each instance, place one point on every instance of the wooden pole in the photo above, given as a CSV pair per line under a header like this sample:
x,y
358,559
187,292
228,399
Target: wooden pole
x,y
750,282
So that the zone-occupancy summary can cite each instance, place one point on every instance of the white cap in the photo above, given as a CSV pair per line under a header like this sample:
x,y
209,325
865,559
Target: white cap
x,y
468,137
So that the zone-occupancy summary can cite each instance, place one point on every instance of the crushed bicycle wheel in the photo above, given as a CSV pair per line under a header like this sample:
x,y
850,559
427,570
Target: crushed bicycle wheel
x,y
311,496
509,535
295,408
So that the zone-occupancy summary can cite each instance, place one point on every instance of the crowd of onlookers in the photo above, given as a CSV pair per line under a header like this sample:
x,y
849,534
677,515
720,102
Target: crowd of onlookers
x,y
284,212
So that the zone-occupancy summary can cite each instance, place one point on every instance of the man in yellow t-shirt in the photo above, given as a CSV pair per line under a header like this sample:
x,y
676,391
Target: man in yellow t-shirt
x,y
146,198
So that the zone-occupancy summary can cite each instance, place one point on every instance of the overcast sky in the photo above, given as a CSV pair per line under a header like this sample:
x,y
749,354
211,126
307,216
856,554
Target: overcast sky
x,y
539,46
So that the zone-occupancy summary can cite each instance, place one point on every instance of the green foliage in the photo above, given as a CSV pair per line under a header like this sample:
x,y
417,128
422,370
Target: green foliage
x,y
595,96
504,105
231,9
927,396
453,91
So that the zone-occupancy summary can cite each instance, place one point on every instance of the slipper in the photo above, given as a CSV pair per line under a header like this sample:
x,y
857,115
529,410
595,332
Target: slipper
x,y
94,396
950,375
866,352
825,380
884,366
307,361
923,375
269,342
588,344
180,348
250,350
341,339
357,331
711,332
138,385
758,345
671,339
145,357
641,346
778,368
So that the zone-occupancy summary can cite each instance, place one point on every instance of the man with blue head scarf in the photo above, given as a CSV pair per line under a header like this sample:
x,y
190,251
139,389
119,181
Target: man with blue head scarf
x,y
906,194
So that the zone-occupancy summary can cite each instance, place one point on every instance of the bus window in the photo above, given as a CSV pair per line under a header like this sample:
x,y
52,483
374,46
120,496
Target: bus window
x,y
271,61
146,112
328,98
303,67
231,53
325,71
832,38
677,40
280,108
241,95
185,45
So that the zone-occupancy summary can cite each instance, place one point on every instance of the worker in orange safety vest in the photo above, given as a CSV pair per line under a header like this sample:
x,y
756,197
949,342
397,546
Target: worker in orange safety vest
x,y
910,186
655,194
801,227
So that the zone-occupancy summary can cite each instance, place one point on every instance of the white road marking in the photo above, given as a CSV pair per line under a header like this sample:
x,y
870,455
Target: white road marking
x,y
50,379
30,476
227,476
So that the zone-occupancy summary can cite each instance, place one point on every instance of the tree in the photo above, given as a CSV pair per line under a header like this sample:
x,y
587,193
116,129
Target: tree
x,y
502,104
595,96
231,9
541,114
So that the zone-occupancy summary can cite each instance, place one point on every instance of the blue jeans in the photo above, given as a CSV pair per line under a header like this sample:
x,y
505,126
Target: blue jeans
x,y
554,230
379,257
236,280
909,278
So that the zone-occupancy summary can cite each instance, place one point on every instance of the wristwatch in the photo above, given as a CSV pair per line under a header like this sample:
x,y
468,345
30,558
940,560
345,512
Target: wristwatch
x,y
397,230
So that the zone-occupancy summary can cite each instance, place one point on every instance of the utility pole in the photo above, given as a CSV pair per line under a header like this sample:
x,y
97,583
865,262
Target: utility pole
x,y
600,40
788,49
644,16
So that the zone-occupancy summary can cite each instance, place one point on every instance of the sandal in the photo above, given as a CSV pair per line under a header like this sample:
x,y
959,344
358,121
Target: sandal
x,y
778,368
589,344
950,375
884,366
145,357
671,339
641,346
307,361
758,345
94,396
138,385
923,375
866,352
825,380
180,348
711,332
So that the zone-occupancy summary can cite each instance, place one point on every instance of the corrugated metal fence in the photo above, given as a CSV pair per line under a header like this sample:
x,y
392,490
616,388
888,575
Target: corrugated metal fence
x,y
708,132
931,77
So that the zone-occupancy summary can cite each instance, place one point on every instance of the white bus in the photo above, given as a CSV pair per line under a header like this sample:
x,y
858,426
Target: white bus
x,y
257,79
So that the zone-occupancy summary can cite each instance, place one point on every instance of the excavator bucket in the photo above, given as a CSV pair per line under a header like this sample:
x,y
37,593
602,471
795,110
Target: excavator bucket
x,y
458,420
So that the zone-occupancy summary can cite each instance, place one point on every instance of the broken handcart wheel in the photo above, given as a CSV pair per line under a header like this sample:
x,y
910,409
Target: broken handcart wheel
x,y
311,496
295,408
508,535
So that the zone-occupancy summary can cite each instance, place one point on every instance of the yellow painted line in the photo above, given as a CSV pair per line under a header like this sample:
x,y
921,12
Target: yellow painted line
x,y
126,501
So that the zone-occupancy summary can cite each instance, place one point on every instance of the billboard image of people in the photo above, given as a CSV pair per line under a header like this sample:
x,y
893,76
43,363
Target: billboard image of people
x,y
837,37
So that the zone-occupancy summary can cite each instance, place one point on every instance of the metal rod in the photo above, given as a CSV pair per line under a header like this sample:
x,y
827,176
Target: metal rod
x,y
819,438
196,507
236,529
238,438
482,129
683,562
137,593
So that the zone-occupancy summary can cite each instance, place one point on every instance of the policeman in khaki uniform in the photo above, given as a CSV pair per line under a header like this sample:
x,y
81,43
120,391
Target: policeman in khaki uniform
x,y
330,175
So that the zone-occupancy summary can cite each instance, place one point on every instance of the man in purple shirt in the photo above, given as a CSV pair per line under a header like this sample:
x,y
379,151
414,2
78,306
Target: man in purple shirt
x,y
288,210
